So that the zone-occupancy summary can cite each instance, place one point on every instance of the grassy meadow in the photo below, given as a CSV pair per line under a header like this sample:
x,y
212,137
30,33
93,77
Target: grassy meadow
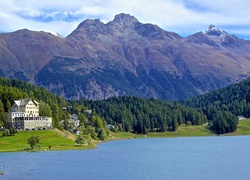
x,y
242,129
182,131
59,140
56,139
185,131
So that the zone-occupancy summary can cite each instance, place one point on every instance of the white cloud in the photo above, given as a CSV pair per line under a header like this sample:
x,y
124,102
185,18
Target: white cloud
x,y
92,11
182,16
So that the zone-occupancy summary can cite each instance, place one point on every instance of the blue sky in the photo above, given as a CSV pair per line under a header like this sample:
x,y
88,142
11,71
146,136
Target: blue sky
x,y
184,17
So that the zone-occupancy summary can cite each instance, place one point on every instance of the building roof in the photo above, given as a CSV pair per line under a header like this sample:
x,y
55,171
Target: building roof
x,y
24,102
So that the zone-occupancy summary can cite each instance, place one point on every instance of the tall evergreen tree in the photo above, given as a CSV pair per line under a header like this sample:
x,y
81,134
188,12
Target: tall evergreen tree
x,y
2,115
44,109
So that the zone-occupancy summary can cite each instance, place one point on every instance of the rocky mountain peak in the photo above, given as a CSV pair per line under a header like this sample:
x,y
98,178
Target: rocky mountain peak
x,y
89,27
125,19
89,22
216,37
215,31
125,57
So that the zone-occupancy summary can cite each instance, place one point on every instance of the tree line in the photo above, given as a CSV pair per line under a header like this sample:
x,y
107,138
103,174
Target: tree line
x,y
222,106
145,115
133,114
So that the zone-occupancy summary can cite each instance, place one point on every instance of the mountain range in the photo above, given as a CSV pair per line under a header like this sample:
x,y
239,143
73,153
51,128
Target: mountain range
x,y
125,57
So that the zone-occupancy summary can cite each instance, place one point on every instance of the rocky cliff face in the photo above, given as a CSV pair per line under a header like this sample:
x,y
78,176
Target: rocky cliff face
x,y
125,57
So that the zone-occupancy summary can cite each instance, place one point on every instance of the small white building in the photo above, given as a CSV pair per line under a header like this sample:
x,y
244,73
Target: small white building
x,y
25,115
73,121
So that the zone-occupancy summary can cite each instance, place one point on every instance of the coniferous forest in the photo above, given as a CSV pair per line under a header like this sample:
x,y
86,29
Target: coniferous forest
x,y
132,114
49,105
221,107
143,115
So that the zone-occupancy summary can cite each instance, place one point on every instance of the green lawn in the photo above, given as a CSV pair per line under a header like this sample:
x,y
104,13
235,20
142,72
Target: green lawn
x,y
59,140
47,138
124,135
186,131
182,131
243,128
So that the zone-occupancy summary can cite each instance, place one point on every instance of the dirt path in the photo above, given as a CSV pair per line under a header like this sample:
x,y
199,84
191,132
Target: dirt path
x,y
65,134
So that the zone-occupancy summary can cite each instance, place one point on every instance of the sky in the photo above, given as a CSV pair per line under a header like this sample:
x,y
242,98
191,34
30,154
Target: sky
x,y
184,17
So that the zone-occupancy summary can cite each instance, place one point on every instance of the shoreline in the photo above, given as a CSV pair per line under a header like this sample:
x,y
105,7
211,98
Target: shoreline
x,y
16,143
118,139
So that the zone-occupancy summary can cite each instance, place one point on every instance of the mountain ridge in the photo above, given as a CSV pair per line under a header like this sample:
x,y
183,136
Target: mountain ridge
x,y
125,57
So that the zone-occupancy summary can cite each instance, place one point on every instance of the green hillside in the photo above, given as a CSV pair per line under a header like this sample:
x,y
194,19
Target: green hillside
x,y
138,115
185,131
235,98
11,90
243,128
222,106
48,138
91,126
218,110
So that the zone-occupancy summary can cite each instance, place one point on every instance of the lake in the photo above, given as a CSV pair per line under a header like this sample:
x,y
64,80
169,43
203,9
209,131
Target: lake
x,y
205,158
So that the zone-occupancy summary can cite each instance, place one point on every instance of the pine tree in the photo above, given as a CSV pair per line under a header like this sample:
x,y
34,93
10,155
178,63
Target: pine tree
x,y
2,115
174,124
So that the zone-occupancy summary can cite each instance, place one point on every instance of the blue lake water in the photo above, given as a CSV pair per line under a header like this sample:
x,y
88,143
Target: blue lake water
x,y
141,159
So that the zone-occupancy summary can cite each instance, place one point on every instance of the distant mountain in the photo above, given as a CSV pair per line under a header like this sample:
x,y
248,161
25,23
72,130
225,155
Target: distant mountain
x,y
125,57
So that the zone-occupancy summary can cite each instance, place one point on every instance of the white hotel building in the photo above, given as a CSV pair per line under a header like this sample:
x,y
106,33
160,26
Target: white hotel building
x,y
25,115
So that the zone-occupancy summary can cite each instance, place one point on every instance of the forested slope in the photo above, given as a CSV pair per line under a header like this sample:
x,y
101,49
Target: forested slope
x,y
50,104
91,127
143,115
235,98
139,115
223,104
219,108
